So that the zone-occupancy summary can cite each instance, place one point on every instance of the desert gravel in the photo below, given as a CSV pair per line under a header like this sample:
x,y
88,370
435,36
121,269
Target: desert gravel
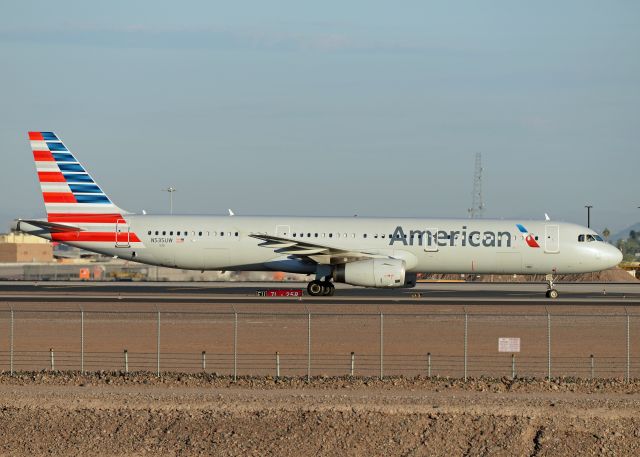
x,y
136,414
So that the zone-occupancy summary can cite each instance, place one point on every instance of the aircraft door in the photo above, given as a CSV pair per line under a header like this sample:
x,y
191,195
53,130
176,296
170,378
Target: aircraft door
x,y
283,230
122,234
551,239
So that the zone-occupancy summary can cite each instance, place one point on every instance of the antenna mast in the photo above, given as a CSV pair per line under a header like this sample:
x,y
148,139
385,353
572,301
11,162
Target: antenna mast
x,y
477,204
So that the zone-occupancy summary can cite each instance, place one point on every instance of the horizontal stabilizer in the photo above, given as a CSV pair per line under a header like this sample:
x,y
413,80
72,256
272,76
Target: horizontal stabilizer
x,y
52,226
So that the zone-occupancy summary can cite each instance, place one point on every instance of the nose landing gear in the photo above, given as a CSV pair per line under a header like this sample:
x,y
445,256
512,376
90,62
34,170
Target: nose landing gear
x,y
317,288
551,291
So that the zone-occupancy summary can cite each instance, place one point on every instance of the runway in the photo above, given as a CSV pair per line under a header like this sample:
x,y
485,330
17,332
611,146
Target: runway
x,y
468,294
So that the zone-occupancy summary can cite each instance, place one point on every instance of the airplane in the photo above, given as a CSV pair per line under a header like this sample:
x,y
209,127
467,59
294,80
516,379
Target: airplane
x,y
361,251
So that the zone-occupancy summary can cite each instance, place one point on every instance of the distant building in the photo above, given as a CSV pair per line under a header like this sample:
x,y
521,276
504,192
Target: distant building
x,y
23,248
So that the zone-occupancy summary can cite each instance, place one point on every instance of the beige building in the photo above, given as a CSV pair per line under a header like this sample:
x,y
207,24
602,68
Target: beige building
x,y
20,247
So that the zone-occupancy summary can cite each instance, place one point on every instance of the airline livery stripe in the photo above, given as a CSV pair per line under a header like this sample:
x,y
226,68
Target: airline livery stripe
x,y
49,136
63,157
70,167
43,156
91,198
55,187
50,176
56,147
94,236
79,177
37,136
84,217
58,197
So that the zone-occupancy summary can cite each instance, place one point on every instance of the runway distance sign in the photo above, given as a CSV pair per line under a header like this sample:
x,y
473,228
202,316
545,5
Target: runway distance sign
x,y
508,344
279,293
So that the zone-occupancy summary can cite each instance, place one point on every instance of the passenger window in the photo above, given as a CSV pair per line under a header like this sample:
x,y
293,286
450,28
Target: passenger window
x,y
156,232
164,233
171,233
237,234
301,235
199,233
330,235
375,236
208,233
149,232
221,233
308,235
353,235
316,235
294,235
382,236
323,235
345,235
215,233
364,235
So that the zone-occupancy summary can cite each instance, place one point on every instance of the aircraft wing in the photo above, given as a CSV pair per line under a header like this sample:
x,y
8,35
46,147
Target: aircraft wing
x,y
316,252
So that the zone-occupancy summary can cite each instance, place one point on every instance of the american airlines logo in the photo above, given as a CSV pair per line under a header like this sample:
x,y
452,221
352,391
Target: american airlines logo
x,y
442,238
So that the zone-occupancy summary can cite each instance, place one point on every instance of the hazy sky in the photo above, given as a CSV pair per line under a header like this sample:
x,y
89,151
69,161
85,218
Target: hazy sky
x,y
330,108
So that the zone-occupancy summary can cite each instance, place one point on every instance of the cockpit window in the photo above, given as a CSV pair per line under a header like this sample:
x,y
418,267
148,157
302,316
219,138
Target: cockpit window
x,y
580,238
598,238
590,237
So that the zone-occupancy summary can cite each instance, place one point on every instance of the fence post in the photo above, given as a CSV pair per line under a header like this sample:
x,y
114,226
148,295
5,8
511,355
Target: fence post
x,y
548,346
428,364
277,365
592,367
309,348
513,366
381,346
235,347
628,347
126,361
204,361
11,345
466,324
353,363
82,341
158,347
52,364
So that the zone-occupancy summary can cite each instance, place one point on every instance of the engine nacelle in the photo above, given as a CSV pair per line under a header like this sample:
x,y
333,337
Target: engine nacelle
x,y
372,273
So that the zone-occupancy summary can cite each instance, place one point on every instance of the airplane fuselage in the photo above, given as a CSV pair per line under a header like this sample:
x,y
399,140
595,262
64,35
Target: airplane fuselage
x,y
425,245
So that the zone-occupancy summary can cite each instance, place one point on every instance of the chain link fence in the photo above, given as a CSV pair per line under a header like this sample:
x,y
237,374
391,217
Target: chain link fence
x,y
322,344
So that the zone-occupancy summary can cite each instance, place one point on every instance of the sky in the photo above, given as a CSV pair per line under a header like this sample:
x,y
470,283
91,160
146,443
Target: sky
x,y
330,108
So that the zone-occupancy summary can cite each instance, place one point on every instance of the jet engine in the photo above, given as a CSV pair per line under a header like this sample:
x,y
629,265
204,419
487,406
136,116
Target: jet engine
x,y
372,273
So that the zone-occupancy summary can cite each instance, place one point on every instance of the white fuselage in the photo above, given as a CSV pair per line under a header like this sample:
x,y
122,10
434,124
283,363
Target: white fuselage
x,y
425,245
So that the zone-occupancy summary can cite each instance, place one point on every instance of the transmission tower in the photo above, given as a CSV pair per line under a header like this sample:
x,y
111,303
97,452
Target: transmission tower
x,y
477,204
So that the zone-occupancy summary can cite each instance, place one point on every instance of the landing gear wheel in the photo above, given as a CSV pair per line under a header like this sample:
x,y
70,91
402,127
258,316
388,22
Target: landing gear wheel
x,y
315,288
328,289
551,291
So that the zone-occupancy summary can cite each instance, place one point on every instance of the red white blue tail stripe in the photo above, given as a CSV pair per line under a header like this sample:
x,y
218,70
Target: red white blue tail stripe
x,y
529,238
71,195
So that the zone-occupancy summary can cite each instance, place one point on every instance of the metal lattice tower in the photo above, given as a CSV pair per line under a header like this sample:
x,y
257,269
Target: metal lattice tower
x,y
477,203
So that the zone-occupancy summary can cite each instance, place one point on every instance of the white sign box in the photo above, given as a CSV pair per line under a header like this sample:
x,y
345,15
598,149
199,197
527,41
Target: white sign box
x,y
508,344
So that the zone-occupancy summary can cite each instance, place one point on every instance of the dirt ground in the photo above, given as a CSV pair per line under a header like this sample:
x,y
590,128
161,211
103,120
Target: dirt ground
x,y
110,414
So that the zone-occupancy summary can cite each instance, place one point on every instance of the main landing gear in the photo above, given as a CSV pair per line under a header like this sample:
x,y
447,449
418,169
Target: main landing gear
x,y
551,291
317,288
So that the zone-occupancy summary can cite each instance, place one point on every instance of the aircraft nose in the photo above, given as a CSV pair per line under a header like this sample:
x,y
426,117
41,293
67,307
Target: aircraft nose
x,y
610,255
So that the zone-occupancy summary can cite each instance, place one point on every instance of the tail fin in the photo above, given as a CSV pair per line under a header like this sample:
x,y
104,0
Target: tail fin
x,y
70,193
